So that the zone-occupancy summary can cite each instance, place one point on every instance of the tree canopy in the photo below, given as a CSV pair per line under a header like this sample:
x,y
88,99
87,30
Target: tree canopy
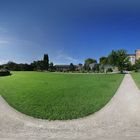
x,y
89,61
119,59
103,60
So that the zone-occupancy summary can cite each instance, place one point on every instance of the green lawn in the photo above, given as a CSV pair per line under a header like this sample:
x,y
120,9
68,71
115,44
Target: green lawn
x,y
58,96
136,77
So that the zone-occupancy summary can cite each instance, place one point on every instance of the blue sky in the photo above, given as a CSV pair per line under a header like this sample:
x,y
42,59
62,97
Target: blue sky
x,y
68,30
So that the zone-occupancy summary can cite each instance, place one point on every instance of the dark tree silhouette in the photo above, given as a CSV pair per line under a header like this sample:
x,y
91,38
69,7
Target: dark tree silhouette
x,y
51,67
71,67
46,61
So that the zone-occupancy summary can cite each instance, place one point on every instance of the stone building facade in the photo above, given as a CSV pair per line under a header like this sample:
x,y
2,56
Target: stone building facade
x,y
134,57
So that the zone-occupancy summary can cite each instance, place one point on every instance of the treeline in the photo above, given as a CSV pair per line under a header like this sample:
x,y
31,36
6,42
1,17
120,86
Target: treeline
x,y
121,60
39,65
116,59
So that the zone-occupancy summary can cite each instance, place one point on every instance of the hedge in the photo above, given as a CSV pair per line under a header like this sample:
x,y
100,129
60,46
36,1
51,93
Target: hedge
x,y
4,73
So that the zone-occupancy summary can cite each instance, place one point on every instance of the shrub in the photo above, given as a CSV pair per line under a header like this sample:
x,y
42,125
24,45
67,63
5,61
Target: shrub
x,y
109,70
4,73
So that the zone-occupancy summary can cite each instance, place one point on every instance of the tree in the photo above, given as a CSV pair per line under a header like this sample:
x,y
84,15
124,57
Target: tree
x,y
96,68
72,67
103,60
38,65
119,59
51,66
113,58
25,67
34,65
88,62
129,66
46,61
137,65
17,67
12,66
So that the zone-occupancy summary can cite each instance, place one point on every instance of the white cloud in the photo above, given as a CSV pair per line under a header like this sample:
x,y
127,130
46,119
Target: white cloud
x,y
4,41
64,58
18,42
3,61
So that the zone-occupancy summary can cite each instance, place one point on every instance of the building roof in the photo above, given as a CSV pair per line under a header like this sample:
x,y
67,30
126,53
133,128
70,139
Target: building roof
x,y
62,65
131,54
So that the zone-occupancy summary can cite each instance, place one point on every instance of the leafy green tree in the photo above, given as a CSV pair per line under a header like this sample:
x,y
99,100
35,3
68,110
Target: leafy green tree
x,y
38,65
12,66
137,65
25,67
113,58
129,66
119,59
34,65
103,60
17,67
88,62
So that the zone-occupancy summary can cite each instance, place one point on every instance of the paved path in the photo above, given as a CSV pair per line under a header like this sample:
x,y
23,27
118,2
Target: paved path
x,y
118,120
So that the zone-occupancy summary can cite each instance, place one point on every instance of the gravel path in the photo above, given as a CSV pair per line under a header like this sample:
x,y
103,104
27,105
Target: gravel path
x,y
118,120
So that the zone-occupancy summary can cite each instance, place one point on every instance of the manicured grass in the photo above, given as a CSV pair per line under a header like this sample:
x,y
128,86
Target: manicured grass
x,y
136,77
58,96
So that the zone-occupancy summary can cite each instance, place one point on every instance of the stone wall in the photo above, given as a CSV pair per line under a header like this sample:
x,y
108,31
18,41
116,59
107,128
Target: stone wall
x,y
137,54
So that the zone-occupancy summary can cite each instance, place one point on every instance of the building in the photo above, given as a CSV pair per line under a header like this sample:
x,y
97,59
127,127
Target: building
x,y
66,68
108,68
134,57
62,68
79,67
92,66
137,54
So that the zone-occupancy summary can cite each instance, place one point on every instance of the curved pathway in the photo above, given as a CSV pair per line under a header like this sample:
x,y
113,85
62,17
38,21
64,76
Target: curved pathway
x,y
118,120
